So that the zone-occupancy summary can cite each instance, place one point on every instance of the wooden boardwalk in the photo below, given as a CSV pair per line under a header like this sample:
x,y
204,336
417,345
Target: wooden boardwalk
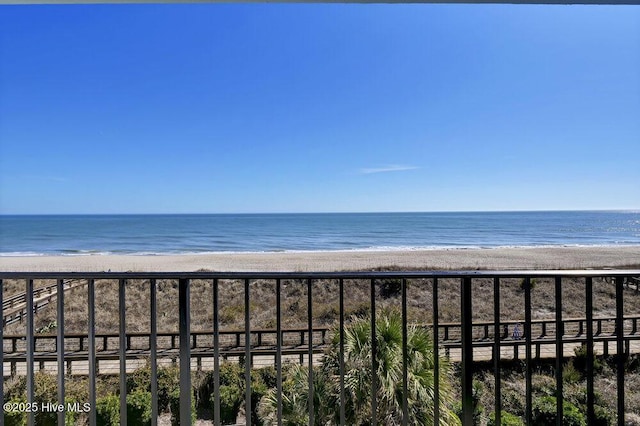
x,y
295,345
14,308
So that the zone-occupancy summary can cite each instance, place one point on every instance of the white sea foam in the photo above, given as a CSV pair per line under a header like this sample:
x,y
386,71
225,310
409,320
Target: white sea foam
x,y
21,254
352,250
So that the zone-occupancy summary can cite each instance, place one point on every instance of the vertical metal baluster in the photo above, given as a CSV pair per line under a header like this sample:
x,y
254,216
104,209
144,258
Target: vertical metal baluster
x,y
374,356
247,352
30,351
620,355
467,353
436,355
216,356
310,353
342,372
153,347
184,314
559,351
91,296
279,349
60,346
496,350
405,357
589,316
122,352
527,331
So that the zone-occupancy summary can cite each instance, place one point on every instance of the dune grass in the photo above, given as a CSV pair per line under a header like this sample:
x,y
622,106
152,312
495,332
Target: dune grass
x,y
325,302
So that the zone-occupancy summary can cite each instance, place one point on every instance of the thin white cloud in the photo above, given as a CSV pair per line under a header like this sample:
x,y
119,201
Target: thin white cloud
x,y
55,179
387,169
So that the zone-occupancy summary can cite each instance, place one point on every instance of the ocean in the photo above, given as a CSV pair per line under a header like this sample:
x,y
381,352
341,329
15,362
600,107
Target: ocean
x,y
76,235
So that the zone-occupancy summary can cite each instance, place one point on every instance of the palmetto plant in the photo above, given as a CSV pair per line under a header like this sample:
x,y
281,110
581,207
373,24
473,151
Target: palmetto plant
x,y
295,399
358,378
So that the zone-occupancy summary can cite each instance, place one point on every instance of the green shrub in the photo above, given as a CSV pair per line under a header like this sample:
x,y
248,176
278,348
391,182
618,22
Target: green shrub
x,y
174,405
478,409
49,418
230,400
506,419
46,387
168,381
513,401
15,418
603,417
633,363
231,392
202,382
76,389
570,373
71,418
108,411
580,360
542,384
262,379
15,388
139,408
139,379
544,413
45,391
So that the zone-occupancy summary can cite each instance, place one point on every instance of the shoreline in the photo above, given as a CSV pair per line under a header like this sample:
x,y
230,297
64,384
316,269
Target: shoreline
x,y
332,261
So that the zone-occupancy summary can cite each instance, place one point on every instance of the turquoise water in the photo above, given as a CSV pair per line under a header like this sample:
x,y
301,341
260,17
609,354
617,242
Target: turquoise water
x,y
207,233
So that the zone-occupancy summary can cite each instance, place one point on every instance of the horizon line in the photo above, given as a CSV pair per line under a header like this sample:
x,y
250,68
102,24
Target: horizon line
x,y
629,210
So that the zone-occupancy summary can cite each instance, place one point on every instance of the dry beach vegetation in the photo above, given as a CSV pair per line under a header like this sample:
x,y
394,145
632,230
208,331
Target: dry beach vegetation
x,y
325,309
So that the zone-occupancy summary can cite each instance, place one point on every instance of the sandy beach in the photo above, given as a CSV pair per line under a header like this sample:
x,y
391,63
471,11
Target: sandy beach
x,y
498,258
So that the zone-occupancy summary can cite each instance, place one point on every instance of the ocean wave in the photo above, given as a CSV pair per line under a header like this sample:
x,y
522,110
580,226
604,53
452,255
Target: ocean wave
x,y
72,253
21,254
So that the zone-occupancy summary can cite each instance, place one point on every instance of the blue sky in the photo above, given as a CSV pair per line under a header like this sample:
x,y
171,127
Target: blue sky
x,y
208,108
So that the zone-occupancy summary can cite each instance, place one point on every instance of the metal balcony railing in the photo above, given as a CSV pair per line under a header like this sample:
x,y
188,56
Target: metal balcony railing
x,y
465,342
